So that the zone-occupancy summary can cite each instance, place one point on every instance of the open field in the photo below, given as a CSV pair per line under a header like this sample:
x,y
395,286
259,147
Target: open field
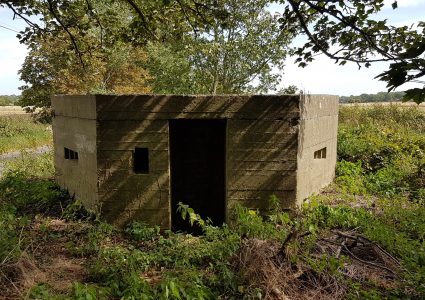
x,y
361,238
13,111
372,104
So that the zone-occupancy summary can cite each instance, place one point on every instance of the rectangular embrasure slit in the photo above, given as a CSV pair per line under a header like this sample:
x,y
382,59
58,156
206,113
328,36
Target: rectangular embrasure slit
x,y
141,160
70,154
320,154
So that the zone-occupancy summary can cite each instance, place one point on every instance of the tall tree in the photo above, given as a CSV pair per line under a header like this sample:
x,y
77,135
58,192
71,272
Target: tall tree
x,y
51,67
81,48
233,53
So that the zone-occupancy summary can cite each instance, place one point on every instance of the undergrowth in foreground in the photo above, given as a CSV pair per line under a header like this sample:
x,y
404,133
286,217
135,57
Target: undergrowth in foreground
x,y
381,151
362,238
21,132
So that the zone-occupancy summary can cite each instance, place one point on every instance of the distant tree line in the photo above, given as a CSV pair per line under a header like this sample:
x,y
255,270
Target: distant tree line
x,y
378,97
9,100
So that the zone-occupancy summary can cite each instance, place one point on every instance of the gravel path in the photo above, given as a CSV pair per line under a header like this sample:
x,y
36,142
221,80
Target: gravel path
x,y
16,154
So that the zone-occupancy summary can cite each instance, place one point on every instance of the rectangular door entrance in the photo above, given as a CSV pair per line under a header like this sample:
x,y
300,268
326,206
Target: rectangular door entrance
x,y
197,158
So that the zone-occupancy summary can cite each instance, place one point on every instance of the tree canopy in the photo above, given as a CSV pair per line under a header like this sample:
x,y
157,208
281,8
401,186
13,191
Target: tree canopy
x,y
235,53
89,46
6,100
345,31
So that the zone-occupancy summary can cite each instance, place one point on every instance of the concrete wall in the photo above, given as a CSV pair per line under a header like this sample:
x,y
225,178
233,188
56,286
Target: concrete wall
x,y
261,161
123,194
270,146
262,137
74,127
318,130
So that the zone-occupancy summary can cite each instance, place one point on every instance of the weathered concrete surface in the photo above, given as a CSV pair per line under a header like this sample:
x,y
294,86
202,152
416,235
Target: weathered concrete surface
x,y
318,130
264,134
260,131
74,127
75,106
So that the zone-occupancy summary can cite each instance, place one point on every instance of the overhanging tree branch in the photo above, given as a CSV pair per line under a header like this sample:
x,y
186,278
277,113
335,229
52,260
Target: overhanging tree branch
x,y
340,17
16,13
303,23
71,36
141,16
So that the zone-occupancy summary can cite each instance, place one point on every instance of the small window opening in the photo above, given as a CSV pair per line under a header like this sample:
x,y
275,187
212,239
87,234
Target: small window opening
x,y
141,160
70,154
320,154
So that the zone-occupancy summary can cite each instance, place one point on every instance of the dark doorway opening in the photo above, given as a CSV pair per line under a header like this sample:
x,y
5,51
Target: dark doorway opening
x,y
198,168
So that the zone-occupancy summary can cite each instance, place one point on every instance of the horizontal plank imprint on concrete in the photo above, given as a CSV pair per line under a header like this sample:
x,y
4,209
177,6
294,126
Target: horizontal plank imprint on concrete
x,y
135,182
133,137
262,126
289,164
113,145
191,103
133,115
260,199
250,138
275,182
132,125
128,200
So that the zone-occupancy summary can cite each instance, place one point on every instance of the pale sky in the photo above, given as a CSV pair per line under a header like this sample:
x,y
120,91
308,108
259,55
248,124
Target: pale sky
x,y
320,77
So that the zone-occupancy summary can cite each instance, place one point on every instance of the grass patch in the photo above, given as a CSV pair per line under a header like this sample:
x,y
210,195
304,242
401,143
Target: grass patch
x,y
21,132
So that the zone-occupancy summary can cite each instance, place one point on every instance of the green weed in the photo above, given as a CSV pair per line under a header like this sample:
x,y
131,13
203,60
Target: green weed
x,y
18,132
382,151
11,228
25,192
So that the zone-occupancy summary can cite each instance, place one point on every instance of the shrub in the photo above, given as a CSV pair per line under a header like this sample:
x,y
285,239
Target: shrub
x,y
141,232
386,149
28,195
27,187
350,177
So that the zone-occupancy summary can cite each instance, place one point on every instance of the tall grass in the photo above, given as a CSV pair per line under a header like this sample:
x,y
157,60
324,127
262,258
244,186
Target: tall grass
x,y
385,148
20,132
